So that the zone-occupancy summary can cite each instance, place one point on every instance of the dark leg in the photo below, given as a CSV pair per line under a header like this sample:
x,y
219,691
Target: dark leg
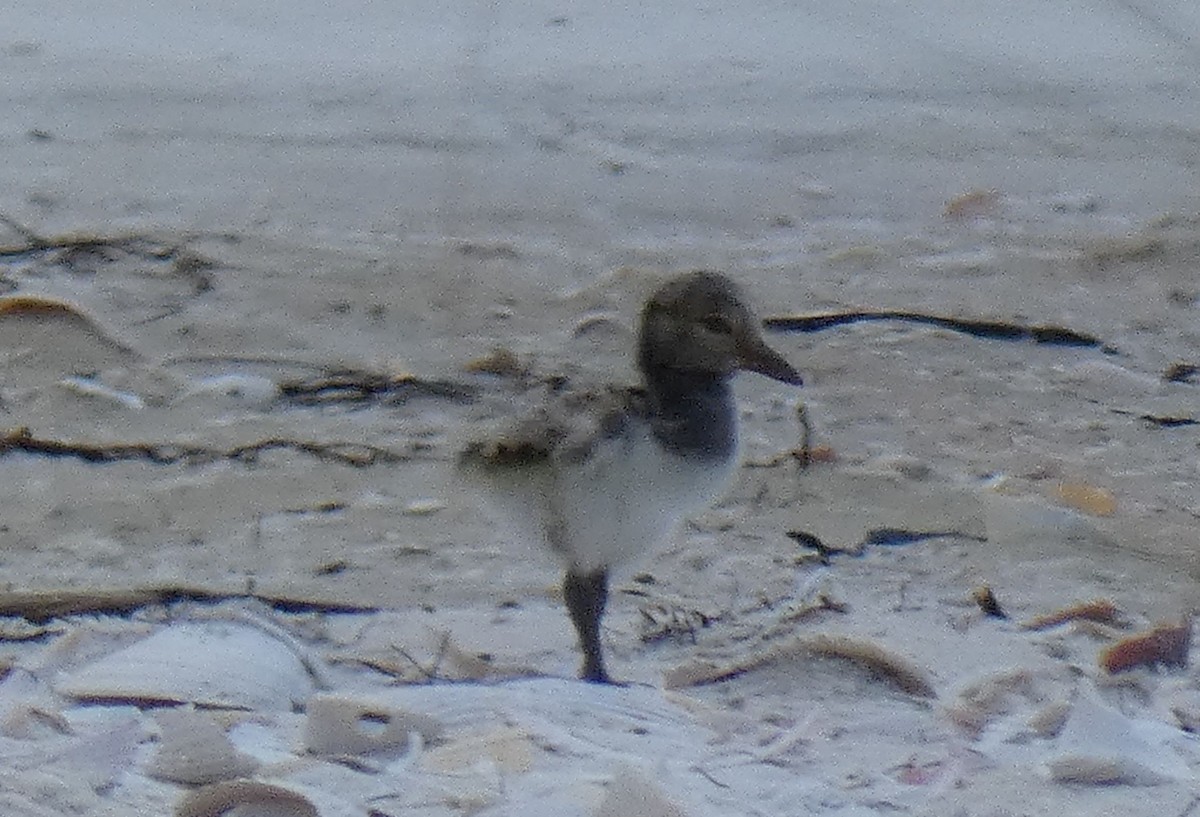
x,y
586,597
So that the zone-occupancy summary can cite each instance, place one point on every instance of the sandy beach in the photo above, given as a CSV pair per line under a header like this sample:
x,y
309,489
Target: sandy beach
x,y
265,267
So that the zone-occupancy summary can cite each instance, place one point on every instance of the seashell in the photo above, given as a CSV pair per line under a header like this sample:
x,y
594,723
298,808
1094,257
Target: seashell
x,y
633,794
262,799
1167,644
1101,611
339,725
212,663
423,507
193,749
90,387
48,339
509,748
1048,721
1102,746
1089,499
880,661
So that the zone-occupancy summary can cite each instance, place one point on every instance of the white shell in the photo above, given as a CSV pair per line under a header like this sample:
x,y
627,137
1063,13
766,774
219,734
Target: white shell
x,y
90,387
632,794
1102,746
213,663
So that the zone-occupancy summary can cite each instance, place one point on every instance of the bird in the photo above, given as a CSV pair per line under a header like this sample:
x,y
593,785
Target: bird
x,y
602,475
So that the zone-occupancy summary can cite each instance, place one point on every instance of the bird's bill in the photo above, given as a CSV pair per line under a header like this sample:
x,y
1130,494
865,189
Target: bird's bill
x,y
757,356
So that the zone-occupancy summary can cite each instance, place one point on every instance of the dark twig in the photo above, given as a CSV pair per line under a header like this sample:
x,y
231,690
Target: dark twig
x,y
358,386
987,329
342,453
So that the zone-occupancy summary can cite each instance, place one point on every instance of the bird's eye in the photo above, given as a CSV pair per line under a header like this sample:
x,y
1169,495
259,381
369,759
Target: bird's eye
x,y
718,324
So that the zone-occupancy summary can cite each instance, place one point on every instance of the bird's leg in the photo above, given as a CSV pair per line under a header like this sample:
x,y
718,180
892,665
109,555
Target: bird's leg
x,y
586,596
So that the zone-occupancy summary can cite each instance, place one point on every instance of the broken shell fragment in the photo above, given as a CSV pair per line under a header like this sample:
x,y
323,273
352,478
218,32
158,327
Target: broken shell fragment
x,y
1100,745
1101,611
511,749
192,749
258,798
43,339
339,725
1167,644
1089,499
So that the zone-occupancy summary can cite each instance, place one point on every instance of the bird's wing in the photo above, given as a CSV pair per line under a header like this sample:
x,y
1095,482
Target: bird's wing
x,y
562,430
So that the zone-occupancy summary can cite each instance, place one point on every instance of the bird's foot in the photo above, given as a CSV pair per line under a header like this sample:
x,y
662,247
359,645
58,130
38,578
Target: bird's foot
x,y
594,673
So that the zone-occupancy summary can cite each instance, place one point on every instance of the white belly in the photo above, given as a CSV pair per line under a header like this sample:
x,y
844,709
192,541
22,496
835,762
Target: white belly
x,y
625,498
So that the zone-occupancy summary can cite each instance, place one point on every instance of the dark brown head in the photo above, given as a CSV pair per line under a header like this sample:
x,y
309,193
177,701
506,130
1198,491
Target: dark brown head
x,y
698,323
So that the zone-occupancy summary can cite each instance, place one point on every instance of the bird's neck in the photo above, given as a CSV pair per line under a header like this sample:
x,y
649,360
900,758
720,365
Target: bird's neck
x,y
693,412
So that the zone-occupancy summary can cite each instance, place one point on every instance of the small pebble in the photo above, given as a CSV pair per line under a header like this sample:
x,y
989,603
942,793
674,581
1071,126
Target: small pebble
x,y
423,507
